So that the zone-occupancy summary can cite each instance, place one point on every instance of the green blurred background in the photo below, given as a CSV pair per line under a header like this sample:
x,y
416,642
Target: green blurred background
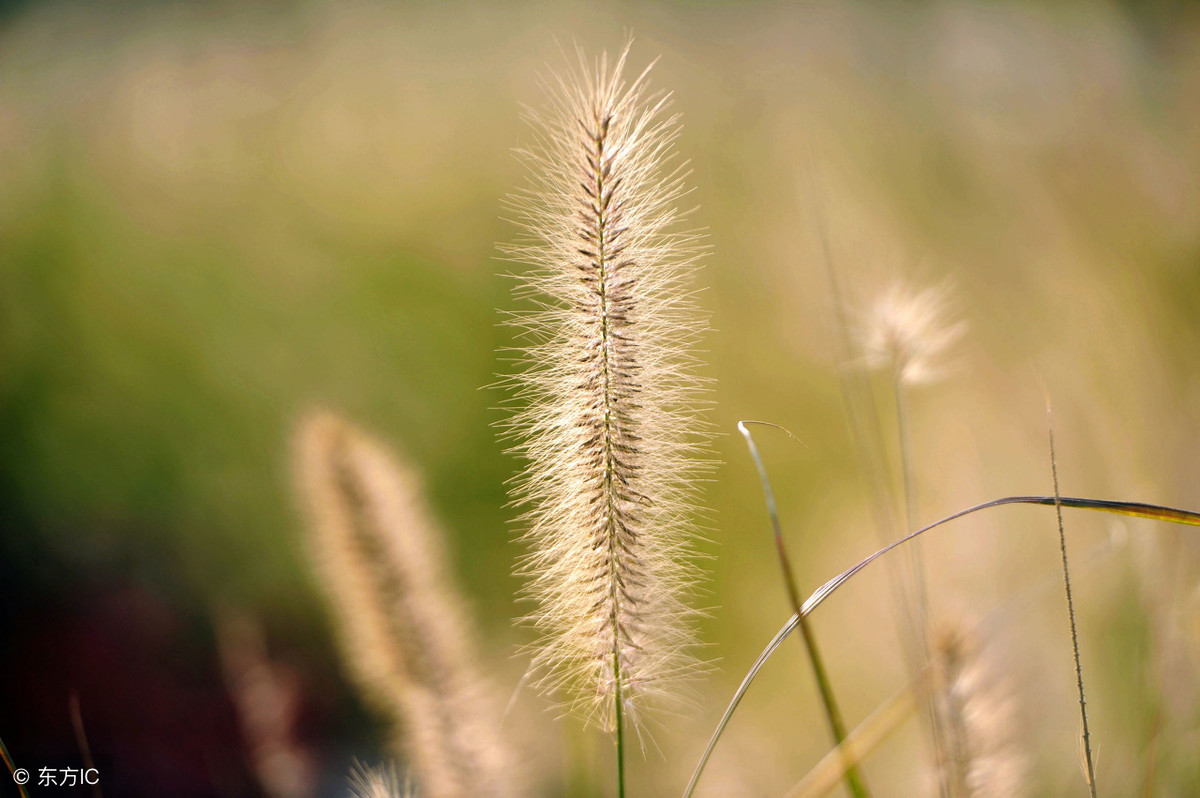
x,y
216,216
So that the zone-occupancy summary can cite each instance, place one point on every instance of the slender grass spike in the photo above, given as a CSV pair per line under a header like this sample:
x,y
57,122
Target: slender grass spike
x,y
404,631
608,422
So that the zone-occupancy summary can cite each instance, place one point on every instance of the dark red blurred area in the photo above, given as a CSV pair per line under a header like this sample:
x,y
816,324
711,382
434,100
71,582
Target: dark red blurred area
x,y
154,704
157,717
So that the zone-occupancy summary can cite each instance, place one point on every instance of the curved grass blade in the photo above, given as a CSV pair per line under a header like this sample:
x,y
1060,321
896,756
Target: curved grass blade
x,y
738,695
1153,512
890,715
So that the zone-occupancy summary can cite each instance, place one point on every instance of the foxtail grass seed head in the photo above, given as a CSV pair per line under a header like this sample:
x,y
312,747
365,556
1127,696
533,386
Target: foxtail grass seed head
x,y
376,783
609,423
404,633
910,332
976,711
266,697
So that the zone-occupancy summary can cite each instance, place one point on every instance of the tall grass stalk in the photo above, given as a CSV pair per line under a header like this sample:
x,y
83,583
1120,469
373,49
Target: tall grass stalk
x,y
904,442
919,614
837,727
607,421
865,425
866,435
906,334
1062,542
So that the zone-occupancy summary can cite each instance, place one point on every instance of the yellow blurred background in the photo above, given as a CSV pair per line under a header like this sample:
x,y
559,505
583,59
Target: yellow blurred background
x,y
216,216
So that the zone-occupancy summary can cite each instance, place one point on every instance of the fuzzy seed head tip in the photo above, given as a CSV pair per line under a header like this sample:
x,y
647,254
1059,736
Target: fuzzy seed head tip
x,y
910,332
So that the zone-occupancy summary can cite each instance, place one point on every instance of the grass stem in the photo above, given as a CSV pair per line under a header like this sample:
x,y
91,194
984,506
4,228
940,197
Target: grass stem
x,y
918,617
619,714
1062,543
854,780
916,562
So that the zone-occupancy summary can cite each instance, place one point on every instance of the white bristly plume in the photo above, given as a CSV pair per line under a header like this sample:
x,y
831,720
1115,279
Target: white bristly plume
x,y
404,631
608,421
982,757
910,331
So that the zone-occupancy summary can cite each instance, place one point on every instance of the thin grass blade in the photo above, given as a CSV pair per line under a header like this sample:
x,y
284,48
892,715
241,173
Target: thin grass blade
x,y
1153,512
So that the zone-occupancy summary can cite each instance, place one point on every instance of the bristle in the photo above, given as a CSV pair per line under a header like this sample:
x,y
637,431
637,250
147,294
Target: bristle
x,y
981,758
910,332
404,633
376,783
609,422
